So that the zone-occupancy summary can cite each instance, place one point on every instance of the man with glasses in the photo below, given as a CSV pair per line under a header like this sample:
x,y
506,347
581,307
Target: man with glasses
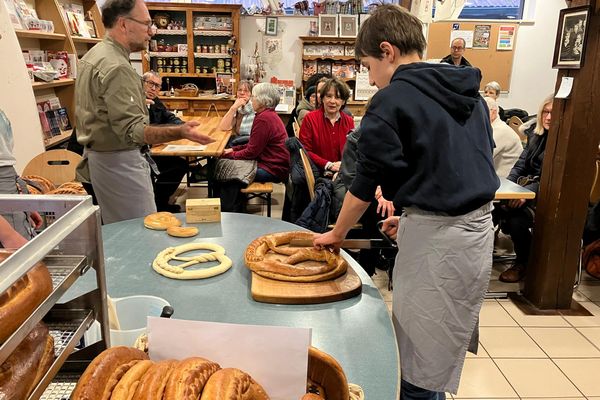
x,y
457,49
112,118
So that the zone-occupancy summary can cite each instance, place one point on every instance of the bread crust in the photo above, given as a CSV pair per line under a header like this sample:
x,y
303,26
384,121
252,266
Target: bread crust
x,y
188,378
153,383
232,384
126,387
19,301
161,220
42,183
27,364
328,374
105,371
182,231
322,265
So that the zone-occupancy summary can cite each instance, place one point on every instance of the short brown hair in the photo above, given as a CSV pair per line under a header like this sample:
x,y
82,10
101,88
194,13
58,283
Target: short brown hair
x,y
390,23
342,90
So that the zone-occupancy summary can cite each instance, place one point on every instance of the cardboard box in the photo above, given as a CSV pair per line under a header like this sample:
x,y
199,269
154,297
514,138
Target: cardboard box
x,y
203,210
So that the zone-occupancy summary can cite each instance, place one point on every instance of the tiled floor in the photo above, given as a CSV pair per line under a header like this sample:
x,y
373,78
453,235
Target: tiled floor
x,y
521,356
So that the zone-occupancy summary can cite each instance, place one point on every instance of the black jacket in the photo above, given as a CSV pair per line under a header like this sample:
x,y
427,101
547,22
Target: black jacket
x,y
159,115
531,160
427,140
448,60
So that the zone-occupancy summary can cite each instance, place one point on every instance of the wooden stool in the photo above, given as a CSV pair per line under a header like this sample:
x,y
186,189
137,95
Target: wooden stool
x,y
262,190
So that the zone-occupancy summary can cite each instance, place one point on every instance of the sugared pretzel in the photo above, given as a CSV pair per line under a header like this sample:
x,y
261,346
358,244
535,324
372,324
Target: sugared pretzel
x,y
265,256
162,266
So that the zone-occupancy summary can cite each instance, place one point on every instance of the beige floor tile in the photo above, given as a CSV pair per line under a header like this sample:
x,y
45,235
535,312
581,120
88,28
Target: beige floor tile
x,y
537,378
583,373
481,353
592,334
591,289
489,398
493,314
505,342
563,342
586,321
533,320
579,296
482,379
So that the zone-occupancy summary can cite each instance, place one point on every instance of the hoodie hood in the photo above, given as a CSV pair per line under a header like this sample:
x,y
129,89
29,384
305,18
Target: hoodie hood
x,y
456,89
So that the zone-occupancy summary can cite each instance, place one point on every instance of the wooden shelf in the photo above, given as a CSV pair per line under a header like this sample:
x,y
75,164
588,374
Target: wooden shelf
x,y
337,58
78,39
58,139
55,83
317,39
40,35
171,32
357,102
176,74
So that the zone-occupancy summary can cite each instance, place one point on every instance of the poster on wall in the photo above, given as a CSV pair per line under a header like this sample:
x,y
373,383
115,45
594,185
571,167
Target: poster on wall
x,y
363,89
481,36
466,35
506,38
273,50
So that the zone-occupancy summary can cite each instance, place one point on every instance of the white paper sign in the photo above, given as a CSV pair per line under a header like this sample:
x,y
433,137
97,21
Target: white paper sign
x,y
566,85
466,35
181,147
276,357
363,89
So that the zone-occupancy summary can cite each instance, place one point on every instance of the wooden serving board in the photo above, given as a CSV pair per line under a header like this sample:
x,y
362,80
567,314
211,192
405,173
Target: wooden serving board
x,y
268,290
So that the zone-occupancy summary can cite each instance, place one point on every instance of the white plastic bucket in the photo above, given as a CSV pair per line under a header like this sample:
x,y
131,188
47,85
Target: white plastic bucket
x,y
133,312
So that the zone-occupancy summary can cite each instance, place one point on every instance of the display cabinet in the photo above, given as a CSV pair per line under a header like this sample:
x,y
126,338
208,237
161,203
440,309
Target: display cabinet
x,y
333,55
70,246
195,44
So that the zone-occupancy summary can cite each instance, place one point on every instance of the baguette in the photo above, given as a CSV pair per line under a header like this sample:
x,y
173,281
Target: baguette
x,y
232,384
188,379
104,372
152,384
27,364
23,297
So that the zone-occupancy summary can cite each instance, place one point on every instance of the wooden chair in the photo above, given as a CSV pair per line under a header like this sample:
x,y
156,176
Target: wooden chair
x,y
515,122
58,166
262,190
296,127
308,173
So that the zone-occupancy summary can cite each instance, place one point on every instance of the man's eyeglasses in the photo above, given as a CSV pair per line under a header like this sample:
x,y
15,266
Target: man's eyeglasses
x,y
147,24
153,84
457,48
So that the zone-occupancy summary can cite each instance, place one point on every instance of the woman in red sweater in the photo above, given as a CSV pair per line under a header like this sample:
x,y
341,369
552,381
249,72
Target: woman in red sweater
x,y
266,146
323,131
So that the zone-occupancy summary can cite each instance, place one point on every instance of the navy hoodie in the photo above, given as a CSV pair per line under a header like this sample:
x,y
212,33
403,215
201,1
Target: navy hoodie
x,y
427,140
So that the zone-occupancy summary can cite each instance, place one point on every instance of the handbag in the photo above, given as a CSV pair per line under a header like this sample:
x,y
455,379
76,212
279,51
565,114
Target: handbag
x,y
242,170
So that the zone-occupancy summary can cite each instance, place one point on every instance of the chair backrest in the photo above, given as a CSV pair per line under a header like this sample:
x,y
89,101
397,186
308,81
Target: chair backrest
x,y
296,127
515,122
58,166
595,192
308,173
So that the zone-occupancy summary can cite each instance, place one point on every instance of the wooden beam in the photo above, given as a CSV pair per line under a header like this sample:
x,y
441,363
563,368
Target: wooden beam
x,y
566,180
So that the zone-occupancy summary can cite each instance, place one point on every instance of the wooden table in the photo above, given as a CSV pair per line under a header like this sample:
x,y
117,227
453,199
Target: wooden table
x,y
208,126
509,190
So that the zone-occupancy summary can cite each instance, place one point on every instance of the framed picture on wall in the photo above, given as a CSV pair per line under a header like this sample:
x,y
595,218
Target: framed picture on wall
x,y
271,26
569,49
328,25
348,25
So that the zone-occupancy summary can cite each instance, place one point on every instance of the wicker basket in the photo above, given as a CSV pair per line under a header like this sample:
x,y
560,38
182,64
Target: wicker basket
x,y
187,90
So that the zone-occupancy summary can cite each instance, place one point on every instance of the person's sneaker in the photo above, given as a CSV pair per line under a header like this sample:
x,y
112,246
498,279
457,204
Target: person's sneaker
x,y
513,274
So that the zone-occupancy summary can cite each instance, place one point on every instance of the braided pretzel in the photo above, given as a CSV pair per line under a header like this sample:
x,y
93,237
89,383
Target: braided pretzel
x,y
162,266
264,257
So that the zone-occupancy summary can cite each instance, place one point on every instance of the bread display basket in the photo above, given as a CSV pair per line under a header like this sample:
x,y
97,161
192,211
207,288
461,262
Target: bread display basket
x,y
187,90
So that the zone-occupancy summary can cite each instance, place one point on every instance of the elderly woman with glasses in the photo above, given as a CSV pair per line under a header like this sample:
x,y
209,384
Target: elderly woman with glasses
x,y
516,216
240,115
492,90
266,145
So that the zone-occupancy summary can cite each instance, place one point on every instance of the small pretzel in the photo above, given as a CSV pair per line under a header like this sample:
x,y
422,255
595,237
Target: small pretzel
x,y
161,220
162,266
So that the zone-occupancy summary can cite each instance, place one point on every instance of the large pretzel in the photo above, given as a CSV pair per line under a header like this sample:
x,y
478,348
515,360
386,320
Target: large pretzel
x,y
162,266
268,257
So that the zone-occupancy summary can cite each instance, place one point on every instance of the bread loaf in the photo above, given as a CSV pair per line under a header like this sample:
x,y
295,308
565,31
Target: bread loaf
x,y
188,378
27,364
152,385
328,375
232,384
104,372
126,387
19,301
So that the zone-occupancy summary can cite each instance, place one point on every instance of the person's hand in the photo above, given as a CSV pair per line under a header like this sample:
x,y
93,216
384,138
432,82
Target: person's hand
x,y
385,207
149,102
329,240
36,219
240,102
335,167
189,131
227,151
516,203
390,226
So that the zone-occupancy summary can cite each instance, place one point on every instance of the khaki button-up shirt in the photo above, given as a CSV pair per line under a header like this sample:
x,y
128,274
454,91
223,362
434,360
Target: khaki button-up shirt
x,y
111,110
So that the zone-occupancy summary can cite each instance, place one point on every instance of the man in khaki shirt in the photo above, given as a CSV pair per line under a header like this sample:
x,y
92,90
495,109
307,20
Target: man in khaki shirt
x,y
112,118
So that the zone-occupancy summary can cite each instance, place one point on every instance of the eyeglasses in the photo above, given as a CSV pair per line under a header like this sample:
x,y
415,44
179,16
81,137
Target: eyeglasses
x,y
457,48
153,84
147,24
546,113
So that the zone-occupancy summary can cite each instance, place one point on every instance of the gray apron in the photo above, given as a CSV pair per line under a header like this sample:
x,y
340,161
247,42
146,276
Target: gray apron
x,y
18,220
441,275
122,184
